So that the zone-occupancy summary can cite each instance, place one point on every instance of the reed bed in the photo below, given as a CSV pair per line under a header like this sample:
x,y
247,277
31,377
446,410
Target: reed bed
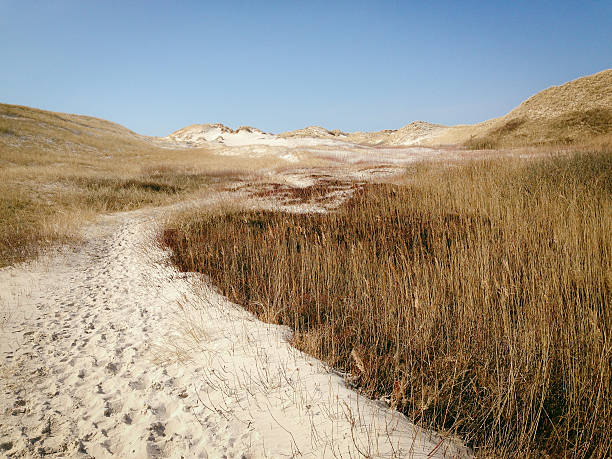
x,y
475,299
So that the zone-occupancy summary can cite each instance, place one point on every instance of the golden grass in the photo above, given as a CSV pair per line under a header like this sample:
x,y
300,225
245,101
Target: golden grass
x,y
567,128
475,298
58,170
573,113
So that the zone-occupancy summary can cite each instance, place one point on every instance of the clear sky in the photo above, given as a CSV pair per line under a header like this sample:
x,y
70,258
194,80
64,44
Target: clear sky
x,y
278,65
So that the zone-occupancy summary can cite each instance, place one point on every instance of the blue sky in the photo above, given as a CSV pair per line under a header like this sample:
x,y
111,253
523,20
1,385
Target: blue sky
x,y
158,66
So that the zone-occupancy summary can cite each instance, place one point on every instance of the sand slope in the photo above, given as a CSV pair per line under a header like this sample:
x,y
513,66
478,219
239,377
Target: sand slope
x,y
108,351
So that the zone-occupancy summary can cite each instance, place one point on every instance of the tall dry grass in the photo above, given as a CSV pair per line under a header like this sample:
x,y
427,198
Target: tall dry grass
x,y
475,298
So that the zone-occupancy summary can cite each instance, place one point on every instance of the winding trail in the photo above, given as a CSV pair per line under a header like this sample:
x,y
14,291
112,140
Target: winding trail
x,y
106,350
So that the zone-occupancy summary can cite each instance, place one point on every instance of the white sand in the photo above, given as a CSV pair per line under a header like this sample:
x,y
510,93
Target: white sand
x,y
106,351
205,134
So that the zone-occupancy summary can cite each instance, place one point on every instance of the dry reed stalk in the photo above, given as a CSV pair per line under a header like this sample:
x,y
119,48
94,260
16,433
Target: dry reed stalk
x,y
476,298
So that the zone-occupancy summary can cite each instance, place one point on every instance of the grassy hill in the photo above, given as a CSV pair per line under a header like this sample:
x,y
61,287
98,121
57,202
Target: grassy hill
x,y
574,112
57,170
578,111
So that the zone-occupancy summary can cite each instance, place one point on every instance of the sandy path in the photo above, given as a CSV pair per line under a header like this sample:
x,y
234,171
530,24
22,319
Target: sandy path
x,y
108,351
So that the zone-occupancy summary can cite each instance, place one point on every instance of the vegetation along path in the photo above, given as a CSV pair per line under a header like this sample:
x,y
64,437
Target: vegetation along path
x,y
107,350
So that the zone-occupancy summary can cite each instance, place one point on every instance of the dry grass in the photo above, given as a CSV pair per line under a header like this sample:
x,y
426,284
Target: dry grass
x,y
567,128
320,192
475,298
58,170
570,114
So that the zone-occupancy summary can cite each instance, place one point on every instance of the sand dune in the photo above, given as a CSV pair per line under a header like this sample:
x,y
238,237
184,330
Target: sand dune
x,y
108,351
575,111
